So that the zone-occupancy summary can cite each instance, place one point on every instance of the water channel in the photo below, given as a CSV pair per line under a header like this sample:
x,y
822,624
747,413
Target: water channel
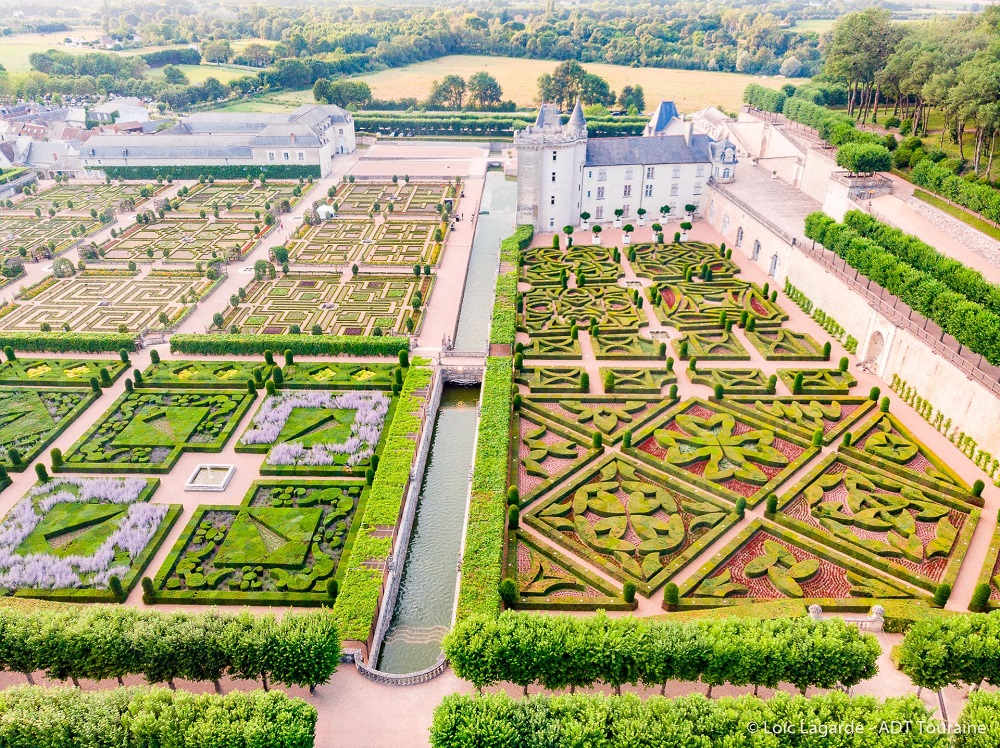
x,y
427,588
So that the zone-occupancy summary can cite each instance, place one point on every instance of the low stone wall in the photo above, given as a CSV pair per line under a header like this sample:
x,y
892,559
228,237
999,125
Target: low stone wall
x,y
976,241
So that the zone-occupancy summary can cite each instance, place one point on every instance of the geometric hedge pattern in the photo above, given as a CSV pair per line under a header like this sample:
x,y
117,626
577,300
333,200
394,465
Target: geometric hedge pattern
x,y
340,242
239,198
36,233
184,240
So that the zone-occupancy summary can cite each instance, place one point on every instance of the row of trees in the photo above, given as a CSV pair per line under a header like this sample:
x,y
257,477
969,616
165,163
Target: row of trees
x,y
938,652
833,720
114,642
483,91
973,325
32,717
565,651
950,66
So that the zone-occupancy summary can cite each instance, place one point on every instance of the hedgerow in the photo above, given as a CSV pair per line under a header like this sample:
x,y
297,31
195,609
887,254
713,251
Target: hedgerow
x,y
503,329
35,717
231,171
300,345
482,563
357,602
65,342
969,322
561,651
113,642
833,720
761,97
939,652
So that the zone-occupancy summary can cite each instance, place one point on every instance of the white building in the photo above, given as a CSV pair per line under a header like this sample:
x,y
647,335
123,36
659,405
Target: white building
x,y
312,135
562,173
128,109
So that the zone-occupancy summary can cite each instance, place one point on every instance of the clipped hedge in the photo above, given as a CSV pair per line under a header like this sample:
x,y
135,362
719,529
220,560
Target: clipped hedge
x,y
834,127
560,651
482,562
833,720
939,652
299,345
231,171
971,323
68,342
761,97
35,717
113,642
357,602
503,330
980,198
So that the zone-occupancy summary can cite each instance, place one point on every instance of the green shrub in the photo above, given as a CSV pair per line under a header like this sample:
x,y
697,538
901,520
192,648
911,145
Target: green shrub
x,y
513,518
57,457
299,345
513,496
8,353
741,507
848,437
843,363
628,592
508,592
609,381
772,504
584,382
627,439
884,405
977,488
980,598
817,438
42,473
719,391
941,594
874,393
597,440
671,594
797,383
63,342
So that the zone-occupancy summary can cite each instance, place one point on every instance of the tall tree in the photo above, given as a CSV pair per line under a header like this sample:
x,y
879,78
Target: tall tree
x,y
484,91
858,50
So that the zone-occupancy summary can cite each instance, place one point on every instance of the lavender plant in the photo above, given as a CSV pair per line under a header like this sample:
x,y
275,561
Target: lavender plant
x,y
49,571
370,409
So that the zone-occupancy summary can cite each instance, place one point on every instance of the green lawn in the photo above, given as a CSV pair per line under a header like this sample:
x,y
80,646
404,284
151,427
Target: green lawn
x,y
201,73
980,225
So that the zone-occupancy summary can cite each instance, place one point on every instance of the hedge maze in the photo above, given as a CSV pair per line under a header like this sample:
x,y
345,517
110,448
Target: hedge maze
x,y
148,431
356,306
98,302
361,197
53,235
620,471
281,545
184,240
347,241
240,198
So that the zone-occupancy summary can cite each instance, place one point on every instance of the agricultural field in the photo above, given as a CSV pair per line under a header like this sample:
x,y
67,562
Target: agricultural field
x,y
356,306
342,242
79,198
187,240
51,235
241,198
96,301
636,468
689,89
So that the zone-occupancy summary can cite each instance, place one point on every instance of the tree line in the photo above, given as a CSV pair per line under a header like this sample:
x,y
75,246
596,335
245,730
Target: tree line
x,y
113,642
880,253
557,652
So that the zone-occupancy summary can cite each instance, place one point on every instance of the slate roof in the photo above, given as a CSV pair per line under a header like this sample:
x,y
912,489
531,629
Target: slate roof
x,y
668,149
665,112
166,145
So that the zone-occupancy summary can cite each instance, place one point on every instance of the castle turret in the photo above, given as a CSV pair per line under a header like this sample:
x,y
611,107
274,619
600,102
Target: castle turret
x,y
550,159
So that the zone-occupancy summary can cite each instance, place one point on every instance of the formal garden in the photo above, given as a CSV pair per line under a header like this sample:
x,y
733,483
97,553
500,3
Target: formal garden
x,y
187,240
107,301
662,407
404,196
243,199
86,199
330,305
52,236
346,241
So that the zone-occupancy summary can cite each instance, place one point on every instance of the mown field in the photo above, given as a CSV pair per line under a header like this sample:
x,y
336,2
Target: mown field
x,y
15,49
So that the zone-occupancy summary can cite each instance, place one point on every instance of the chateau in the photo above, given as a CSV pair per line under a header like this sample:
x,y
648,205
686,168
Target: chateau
x,y
561,173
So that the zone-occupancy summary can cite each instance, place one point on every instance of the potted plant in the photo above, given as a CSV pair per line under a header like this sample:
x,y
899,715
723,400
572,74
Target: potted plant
x,y
568,230
685,228
658,233
642,216
585,220
690,209
619,212
627,230
664,213
597,235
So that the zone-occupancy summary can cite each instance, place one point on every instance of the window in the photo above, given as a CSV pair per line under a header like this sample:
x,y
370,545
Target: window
x,y
552,200
286,156
626,211
673,190
270,155
590,174
599,213
600,193
588,193
697,189
553,176
649,190
700,171
676,174
602,175
756,250
725,223
341,130
649,172
553,155
302,156
739,237
627,192
628,173
725,173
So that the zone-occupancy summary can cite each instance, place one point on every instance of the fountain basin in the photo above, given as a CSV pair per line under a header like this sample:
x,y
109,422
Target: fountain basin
x,y
210,478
